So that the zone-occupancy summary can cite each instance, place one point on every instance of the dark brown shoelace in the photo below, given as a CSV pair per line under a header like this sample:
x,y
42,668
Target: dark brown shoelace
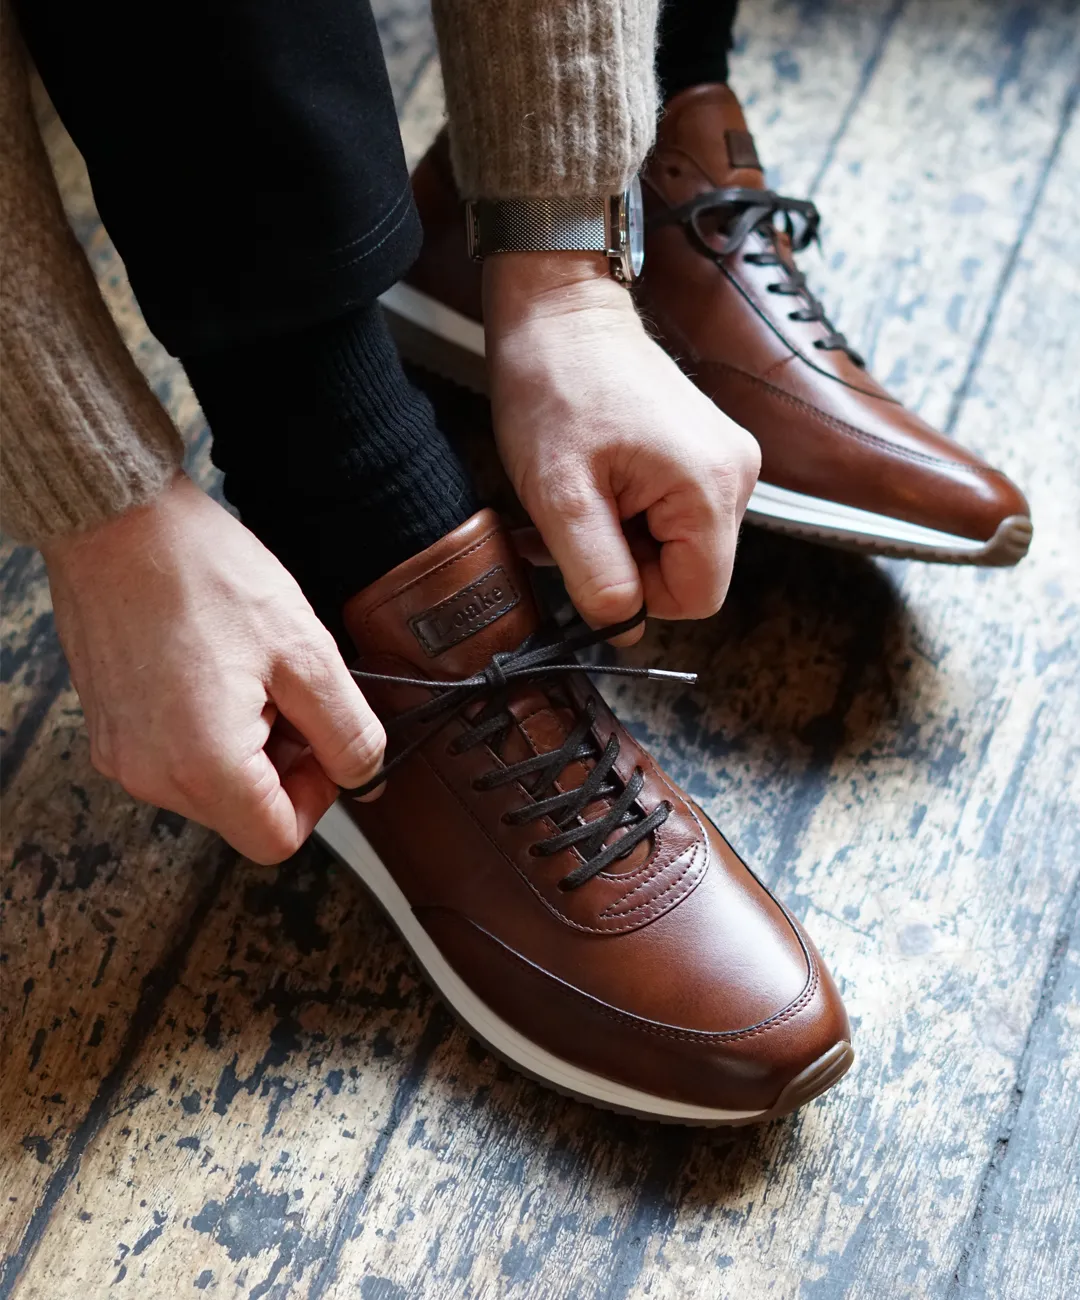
x,y
734,214
544,656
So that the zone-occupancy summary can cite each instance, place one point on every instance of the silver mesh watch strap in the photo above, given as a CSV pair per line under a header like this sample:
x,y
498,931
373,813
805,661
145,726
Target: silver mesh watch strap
x,y
539,225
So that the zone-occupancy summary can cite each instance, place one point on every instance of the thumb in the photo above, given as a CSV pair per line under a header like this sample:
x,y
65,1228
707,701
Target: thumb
x,y
587,542
318,696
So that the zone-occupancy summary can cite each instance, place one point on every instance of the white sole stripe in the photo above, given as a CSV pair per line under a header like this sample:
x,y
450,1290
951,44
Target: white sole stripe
x,y
344,838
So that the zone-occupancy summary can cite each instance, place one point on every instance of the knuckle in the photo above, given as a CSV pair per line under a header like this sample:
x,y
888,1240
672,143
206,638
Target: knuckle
x,y
362,750
741,459
724,475
266,838
742,453
191,780
712,591
568,497
708,603
310,653
276,844
608,601
751,457
715,601
721,490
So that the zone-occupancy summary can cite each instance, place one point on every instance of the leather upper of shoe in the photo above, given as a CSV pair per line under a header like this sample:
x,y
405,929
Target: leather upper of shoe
x,y
826,428
730,315
672,969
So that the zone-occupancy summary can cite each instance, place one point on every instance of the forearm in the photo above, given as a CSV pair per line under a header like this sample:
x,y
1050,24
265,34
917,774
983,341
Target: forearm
x,y
548,97
83,438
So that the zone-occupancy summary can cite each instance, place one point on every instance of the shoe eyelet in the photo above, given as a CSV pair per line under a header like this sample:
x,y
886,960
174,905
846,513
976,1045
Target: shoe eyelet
x,y
819,345
534,851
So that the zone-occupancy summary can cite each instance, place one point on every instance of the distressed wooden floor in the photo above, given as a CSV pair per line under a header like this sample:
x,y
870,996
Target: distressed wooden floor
x,y
225,1079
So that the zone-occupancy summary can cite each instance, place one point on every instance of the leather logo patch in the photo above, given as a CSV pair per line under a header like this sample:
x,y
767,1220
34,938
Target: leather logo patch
x,y
741,151
462,615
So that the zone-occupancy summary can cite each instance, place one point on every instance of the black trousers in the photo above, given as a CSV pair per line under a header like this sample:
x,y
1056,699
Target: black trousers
x,y
246,161
245,154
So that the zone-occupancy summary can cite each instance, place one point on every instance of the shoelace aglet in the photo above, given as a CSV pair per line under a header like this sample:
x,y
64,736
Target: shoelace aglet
x,y
671,675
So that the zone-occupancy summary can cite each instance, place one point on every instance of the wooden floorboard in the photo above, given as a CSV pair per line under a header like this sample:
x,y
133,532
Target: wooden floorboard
x,y
1024,1237
229,1080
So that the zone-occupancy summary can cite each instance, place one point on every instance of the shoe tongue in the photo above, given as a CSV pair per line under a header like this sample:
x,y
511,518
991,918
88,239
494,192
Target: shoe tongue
x,y
706,125
450,608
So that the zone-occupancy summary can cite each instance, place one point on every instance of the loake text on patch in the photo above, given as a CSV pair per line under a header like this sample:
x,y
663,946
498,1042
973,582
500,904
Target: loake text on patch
x,y
462,615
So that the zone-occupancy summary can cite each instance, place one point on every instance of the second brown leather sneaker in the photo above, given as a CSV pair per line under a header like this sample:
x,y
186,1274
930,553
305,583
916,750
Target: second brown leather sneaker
x,y
843,462
578,912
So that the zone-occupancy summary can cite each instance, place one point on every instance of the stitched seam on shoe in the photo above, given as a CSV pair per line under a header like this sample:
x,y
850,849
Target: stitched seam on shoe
x,y
585,929
562,916
646,874
575,925
434,651
617,910
764,316
851,430
666,1031
430,573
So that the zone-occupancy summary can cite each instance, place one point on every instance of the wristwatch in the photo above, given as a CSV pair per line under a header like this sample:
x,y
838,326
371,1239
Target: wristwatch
x,y
612,224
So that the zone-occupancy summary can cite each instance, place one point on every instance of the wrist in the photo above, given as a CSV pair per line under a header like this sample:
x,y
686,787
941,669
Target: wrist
x,y
118,534
519,287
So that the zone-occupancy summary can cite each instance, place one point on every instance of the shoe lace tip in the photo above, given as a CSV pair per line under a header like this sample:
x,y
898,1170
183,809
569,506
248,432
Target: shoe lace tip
x,y
671,675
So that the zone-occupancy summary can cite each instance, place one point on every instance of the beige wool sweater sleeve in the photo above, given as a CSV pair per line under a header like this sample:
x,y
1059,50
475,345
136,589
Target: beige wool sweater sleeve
x,y
547,97
82,436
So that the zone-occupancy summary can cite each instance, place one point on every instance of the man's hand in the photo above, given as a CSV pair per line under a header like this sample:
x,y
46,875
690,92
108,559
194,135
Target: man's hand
x,y
597,425
186,640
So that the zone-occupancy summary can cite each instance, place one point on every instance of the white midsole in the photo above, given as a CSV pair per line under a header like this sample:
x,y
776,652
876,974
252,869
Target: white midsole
x,y
344,838
429,314
767,504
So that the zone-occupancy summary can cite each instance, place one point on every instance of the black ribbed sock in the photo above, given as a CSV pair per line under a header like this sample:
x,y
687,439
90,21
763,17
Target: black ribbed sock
x,y
694,37
331,455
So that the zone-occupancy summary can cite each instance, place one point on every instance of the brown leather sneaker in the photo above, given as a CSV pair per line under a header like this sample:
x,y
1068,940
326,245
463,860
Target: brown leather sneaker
x,y
577,911
842,461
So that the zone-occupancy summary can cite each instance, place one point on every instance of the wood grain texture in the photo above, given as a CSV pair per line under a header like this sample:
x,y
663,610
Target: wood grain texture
x,y
1024,1238
228,1080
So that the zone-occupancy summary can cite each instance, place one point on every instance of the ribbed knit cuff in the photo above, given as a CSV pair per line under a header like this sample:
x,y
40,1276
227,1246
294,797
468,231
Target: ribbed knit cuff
x,y
548,97
83,437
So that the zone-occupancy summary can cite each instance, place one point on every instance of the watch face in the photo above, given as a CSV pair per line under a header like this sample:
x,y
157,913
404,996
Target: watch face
x,y
635,228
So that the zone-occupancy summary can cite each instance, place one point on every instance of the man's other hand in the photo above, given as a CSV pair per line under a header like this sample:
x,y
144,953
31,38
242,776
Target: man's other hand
x,y
597,425
187,640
